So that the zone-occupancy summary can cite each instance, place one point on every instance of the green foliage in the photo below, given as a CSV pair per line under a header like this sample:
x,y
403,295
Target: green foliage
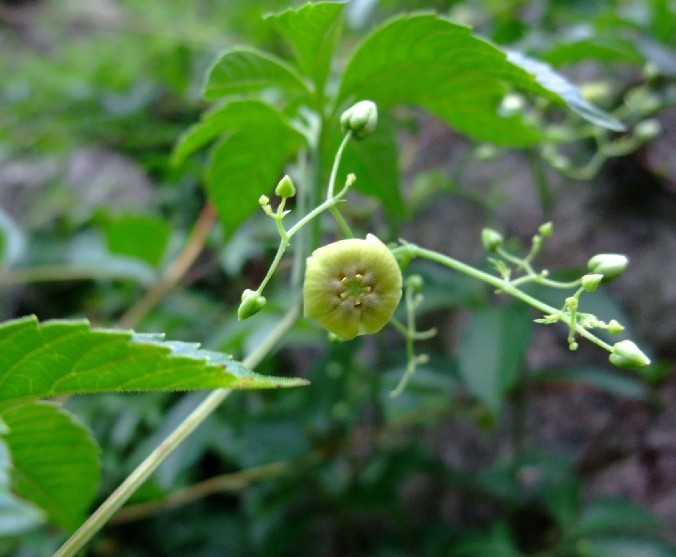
x,y
55,462
447,467
68,357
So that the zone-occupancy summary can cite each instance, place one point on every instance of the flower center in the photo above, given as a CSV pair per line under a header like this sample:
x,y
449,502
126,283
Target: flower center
x,y
354,287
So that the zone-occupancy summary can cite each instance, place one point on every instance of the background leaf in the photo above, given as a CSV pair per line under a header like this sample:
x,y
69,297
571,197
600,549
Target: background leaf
x,y
141,236
431,62
243,70
375,163
68,357
55,461
247,161
492,348
312,30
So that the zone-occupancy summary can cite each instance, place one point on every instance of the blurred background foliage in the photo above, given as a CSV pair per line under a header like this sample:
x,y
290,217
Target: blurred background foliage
x,y
507,449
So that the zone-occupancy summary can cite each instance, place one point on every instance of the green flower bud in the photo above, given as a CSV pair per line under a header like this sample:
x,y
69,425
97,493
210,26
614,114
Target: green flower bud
x,y
626,354
614,327
285,188
252,303
647,129
361,119
491,239
352,287
415,282
610,265
263,200
591,282
546,229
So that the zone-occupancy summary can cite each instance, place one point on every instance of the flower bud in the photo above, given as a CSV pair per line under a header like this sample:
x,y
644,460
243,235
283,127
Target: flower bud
x,y
491,239
361,119
610,265
591,282
263,200
285,188
352,287
546,229
626,354
647,129
415,282
252,303
614,327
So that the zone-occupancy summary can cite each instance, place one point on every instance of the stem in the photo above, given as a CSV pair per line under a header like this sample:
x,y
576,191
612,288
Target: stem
x,y
501,284
175,272
336,164
143,471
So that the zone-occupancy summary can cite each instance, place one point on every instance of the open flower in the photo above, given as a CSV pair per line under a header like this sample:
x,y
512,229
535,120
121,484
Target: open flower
x,y
352,287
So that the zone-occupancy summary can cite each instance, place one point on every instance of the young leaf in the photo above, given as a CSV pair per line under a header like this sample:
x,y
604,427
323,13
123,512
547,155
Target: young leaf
x,y
492,349
429,61
248,160
54,358
312,30
55,461
243,70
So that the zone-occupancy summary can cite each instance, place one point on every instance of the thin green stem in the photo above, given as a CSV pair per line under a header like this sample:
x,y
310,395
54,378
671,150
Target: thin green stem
x,y
336,164
505,286
116,499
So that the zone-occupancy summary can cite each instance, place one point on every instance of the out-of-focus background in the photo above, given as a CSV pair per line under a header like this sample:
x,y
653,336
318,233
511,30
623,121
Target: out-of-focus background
x,y
94,94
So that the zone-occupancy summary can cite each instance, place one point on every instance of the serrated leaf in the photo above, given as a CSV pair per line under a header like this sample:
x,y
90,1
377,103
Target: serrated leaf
x,y
312,30
57,357
244,70
375,164
55,461
492,349
429,61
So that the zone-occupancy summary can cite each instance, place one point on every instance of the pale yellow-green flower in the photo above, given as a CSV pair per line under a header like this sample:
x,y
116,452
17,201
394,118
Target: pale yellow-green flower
x,y
352,287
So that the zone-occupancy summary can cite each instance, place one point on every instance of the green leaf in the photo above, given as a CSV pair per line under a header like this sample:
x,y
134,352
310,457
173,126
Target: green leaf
x,y
374,162
426,60
312,30
492,349
614,516
605,380
141,236
623,546
16,516
244,70
68,357
564,90
247,161
55,461
603,49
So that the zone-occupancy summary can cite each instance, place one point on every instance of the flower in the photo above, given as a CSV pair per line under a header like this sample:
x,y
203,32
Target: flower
x,y
352,287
